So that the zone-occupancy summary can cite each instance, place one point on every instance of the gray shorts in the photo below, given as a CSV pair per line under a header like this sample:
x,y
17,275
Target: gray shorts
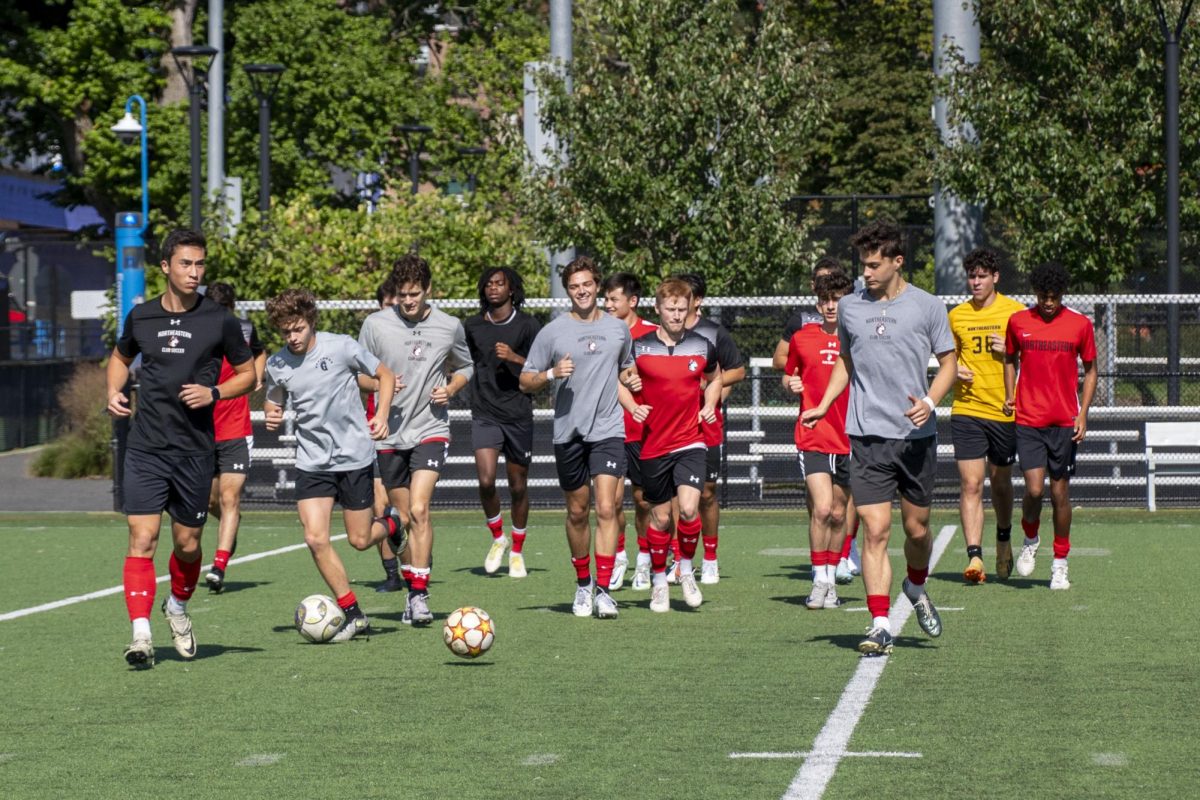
x,y
881,467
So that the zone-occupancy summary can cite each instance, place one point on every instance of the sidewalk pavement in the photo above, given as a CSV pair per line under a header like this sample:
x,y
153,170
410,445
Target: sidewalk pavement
x,y
21,492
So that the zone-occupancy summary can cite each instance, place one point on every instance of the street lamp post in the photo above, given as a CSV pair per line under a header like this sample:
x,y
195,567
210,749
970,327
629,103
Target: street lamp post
x,y
264,78
196,53
418,132
131,230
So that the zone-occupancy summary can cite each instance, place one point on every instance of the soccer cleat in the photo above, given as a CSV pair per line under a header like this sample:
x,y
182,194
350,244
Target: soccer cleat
x,y
709,573
842,575
215,580
691,592
606,607
393,583
1028,558
974,572
495,554
855,559
816,597
878,642
353,626
1004,559
418,609
831,598
620,564
181,632
660,598
582,606
406,617
140,653
927,615
673,572
641,578
516,565
1058,577
398,540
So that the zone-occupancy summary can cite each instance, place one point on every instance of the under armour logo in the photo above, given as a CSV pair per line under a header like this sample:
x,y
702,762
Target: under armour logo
x,y
528,453
139,594
433,462
200,514
611,464
239,466
176,321
693,479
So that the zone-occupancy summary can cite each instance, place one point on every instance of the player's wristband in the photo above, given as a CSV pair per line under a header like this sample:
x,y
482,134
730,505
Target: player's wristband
x,y
550,374
927,400
216,394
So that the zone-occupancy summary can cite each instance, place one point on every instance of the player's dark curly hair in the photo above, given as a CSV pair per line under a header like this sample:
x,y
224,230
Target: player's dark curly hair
x,y
883,235
222,294
411,268
581,264
182,237
1050,278
696,281
627,282
984,258
516,286
828,264
384,292
290,305
832,284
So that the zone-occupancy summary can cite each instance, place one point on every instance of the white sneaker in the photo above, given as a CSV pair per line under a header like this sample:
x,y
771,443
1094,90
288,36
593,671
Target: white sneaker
x,y
660,598
495,555
691,592
181,632
816,597
709,573
842,575
1058,577
855,559
831,598
1028,558
582,607
606,607
673,572
618,574
140,653
418,609
516,565
641,578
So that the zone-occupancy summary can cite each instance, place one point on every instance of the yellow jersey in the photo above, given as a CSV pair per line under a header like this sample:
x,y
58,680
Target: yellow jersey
x,y
984,396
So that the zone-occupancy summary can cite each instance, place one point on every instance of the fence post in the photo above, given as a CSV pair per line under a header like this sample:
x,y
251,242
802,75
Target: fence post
x,y
1110,357
755,404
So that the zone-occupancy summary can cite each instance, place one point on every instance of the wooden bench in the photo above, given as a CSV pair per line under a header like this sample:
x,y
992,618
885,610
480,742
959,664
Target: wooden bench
x,y
1181,459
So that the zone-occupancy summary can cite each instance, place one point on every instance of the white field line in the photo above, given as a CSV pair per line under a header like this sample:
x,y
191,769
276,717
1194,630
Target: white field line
x,y
808,754
830,745
70,601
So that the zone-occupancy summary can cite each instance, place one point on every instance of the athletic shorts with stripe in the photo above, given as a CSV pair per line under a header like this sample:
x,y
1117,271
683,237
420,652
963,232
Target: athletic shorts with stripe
x,y
835,465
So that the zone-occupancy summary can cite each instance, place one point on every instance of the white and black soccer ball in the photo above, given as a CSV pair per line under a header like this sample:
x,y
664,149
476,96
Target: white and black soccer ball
x,y
469,632
318,618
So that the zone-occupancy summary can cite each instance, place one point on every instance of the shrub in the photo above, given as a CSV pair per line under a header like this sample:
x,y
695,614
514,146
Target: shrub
x,y
82,451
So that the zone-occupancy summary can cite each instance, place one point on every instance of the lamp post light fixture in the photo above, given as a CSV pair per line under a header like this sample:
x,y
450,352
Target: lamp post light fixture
x,y
264,78
199,55
471,154
128,130
417,132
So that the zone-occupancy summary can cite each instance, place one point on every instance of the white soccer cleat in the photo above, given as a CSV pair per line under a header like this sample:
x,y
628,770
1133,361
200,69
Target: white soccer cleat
x,y
1027,560
691,592
831,598
816,597
709,573
660,598
842,575
418,609
353,626
140,653
582,607
181,632
855,559
1058,577
495,555
620,564
673,572
606,607
516,565
641,578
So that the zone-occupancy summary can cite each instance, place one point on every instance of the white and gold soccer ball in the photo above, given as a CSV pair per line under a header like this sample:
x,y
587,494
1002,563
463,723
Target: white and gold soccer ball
x,y
318,618
469,632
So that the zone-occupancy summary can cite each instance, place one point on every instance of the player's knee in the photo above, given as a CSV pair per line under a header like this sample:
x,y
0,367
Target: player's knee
x,y
418,511
316,540
972,487
837,519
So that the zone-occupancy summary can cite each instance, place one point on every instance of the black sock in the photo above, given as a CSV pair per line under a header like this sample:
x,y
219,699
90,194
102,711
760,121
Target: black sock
x,y
582,582
974,551
353,610
391,566
1003,534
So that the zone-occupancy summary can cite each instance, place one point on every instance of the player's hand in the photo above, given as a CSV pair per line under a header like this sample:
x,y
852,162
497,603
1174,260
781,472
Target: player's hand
x,y
378,426
440,396
564,368
1080,428
810,417
196,396
997,343
920,411
794,384
640,413
708,414
274,418
118,405
503,351
633,382
965,375
1007,407
399,385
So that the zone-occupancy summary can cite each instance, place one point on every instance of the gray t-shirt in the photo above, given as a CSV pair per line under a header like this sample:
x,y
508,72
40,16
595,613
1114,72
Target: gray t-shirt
x,y
585,403
889,343
331,426
421,354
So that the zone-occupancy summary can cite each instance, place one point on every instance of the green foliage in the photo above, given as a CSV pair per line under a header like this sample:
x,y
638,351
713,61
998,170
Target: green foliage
x,y
83,450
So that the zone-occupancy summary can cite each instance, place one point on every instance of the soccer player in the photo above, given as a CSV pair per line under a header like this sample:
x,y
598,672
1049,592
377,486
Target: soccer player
x,y
824,449
804,315
390,560
886,333
1040,380
421,346
182,337
733,371
499,338
622,292
983,432
334,451
234,436
581,355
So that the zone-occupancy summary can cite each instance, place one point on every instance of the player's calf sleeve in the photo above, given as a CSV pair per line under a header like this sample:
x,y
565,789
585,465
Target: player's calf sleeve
x,y
847,543
583,568
621,541
221,559
184,576
1062,545
689,537
604,568
518,539
138,581
710,547
657,541
496,526
878,605
643,545
1031,528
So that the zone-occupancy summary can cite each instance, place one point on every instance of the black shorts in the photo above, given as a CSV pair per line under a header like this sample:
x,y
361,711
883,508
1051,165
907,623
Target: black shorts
x,y
880,467
712,463
1049,448
397,466
976,438
177,484
835,465
665,474
578,461
514,439
353,489
633,462
232,456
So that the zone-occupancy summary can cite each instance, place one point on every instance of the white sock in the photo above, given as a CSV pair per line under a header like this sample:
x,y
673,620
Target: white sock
x,y
1060,562
685,565
175,605
1034,540
141,627
643,559
658,579
881,622
830,573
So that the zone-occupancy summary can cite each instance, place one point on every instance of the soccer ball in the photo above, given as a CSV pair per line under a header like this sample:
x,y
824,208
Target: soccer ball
x,y
469,632
318,618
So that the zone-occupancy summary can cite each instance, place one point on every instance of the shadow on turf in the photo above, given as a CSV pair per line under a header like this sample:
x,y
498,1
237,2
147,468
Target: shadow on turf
x,y
500,573
799,572
238,586
203,651
1014,582
850,641
798,600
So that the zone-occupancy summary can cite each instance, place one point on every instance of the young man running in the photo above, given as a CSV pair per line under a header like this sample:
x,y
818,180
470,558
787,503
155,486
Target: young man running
x,y
389,559
824,450
985,439
499,338
234,436
887,332
421,345
581,355
334,451
672,362
1040,380
622,291
182,337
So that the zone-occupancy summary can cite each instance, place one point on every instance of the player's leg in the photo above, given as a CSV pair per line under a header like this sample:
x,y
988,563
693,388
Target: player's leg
x,y
518,455
819,491
687,473
659,539
873,482
388,557
1002,503
420,490
606,487
229,518
1032,452
970,508
146,494
356,494
315,513
486,441
188,507
571,464
641,523
849,560
710,516
917,473
1060,466
837,533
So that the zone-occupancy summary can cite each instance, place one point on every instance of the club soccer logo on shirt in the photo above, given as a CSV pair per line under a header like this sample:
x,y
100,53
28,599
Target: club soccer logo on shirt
x,y
692,365
591,346
880,329
173,341
325,364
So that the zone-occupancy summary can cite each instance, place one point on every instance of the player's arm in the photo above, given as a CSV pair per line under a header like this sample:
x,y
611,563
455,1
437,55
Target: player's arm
x,y
458,380
536,381
791,372
630,379
713,395
922,407
386,379
779,358
273,404
116,376
1090,376
260,369
839,379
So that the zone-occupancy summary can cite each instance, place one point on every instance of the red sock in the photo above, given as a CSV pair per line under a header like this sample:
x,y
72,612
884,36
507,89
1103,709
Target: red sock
x,y
407,573
621,541
854,527
1062,545
710,548
221,559
675,546
496,526
604,568
184,576
1031,528
347,600
689,537
849,540
582,567
657,542
420,581
518,539
917,576
817,557
643,544
831,558
878,605
139,583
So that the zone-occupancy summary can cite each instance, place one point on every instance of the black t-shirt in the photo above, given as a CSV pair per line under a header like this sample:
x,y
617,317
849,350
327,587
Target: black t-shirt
x,y
728,354
178,348
495,386
799,318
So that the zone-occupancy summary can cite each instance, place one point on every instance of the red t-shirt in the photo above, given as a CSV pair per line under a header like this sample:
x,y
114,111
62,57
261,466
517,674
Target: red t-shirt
x,y
231,418
814,352
1048,381
633,428
671,387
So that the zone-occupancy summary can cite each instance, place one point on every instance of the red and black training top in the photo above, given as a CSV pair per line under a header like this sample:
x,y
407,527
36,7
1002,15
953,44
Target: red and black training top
x,y
671,377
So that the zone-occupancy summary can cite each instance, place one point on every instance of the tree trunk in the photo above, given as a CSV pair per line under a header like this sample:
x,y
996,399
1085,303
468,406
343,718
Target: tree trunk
x,y
183,16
